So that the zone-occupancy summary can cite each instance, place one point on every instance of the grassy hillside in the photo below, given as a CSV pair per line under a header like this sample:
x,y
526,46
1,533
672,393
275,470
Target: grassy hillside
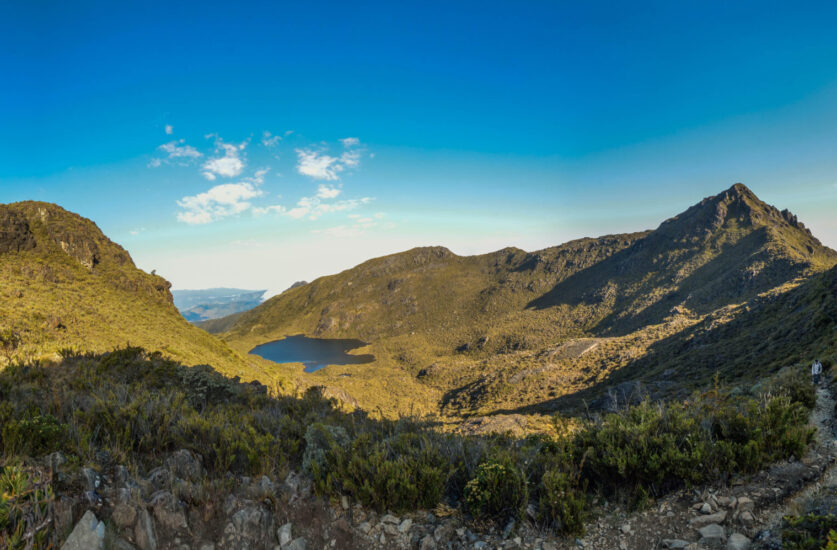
x,y
508,329
63,284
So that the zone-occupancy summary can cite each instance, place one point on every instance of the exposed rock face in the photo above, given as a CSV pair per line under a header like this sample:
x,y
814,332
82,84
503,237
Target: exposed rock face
x,y
15,235
88,534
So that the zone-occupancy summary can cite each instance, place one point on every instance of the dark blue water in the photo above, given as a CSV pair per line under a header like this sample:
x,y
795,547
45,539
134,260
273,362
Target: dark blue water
x,y
314,353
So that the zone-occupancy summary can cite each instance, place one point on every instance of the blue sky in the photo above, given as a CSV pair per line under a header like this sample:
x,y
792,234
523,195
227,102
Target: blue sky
x,y
261,143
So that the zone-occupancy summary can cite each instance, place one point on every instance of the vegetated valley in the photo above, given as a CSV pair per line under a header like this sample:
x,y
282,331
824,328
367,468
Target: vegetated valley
x,y
645,390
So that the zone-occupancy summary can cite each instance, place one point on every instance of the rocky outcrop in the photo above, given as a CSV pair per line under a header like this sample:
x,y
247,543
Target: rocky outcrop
x,y
15,235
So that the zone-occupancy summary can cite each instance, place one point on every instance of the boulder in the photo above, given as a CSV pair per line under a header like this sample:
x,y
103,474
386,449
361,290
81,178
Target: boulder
x,y
284,534
700,521
88,534
737,541
712,535
144,532
124,515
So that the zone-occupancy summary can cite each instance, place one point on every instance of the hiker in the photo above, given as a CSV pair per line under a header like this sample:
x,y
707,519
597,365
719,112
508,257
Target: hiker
x,y
816,370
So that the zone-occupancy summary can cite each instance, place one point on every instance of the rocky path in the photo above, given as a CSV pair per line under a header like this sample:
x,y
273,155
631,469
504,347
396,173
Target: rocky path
x,y
146,513
820,496
745,514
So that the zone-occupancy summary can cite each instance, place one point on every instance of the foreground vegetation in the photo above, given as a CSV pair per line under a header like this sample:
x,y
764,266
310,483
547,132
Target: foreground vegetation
x,y
130,407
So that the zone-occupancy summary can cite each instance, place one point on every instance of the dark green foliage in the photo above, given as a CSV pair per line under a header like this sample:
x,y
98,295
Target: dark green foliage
x,y
25,506
649,449
497,491
810,532
400,472
319,440
139,406
31,435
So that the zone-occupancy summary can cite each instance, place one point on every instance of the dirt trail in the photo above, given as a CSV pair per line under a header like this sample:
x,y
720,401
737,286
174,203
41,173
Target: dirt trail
x,y
792,487
819,496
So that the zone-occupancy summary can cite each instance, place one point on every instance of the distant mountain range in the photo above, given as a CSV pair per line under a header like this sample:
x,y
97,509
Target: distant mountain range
x,y
212,303
502,331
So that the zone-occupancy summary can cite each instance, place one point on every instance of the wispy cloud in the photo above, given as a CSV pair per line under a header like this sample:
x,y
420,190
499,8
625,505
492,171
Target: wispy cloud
x,y
169,129
319,165
228,165
314,207
350,142
360,224
176,152
269,140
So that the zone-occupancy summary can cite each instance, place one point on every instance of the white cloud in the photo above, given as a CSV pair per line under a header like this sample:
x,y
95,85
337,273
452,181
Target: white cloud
x,y
318,166
176,152
219,202
169,129
229,165
179,149
321,166
135,232
269,140
350,142
327,191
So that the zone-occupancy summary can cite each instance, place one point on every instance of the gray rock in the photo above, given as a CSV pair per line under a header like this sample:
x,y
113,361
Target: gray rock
x,y
168,511
737,541
121,544
296,544
284,534
700,521
508,530
706,508
92,479
712,535
675,544
480,545
144,532
746,517
745,504
389,518
88,534
405,525
427,543
124,515
365,527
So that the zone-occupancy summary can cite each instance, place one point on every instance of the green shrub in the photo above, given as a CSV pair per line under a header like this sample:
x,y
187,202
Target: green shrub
x,y
25,501
809,532
319,440
399,473
33,435
498,491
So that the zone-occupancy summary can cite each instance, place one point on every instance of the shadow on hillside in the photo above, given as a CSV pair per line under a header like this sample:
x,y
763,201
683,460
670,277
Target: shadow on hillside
x,y
727,278
768,334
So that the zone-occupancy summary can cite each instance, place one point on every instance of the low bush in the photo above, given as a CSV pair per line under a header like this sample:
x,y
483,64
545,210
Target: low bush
x,y
138,406
809,532
498,491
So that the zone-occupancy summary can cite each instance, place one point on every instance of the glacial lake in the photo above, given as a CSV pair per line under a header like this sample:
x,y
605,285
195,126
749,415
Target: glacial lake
x,y
314,353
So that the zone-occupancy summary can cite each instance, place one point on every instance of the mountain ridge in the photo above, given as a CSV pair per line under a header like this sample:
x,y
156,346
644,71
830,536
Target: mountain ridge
x,y
65,285
471,325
